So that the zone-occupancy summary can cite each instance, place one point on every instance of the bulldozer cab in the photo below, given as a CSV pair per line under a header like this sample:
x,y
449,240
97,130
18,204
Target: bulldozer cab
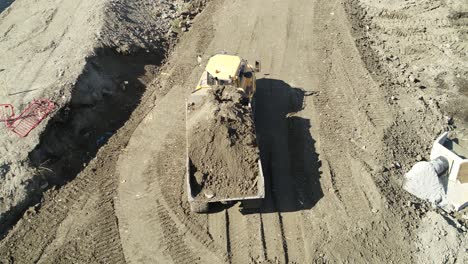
x,y
224,69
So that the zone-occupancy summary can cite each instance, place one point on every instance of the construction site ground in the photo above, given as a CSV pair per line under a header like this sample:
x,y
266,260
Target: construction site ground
x,y
343,110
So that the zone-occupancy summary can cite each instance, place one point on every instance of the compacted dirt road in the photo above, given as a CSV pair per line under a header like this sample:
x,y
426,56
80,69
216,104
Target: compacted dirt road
x,y
323,127
320,122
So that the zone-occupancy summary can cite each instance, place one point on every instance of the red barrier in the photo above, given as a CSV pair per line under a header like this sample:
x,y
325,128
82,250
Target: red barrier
x,y
30,117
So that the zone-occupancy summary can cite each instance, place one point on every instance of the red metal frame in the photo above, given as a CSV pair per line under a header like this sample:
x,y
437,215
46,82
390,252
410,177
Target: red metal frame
x,y
30,117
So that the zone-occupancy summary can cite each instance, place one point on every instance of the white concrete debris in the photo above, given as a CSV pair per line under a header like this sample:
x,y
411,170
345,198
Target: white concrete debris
x,y
423,181
456,184
444,180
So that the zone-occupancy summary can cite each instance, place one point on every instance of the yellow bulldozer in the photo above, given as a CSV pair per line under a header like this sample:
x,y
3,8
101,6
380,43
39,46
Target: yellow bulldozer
x,y
233,74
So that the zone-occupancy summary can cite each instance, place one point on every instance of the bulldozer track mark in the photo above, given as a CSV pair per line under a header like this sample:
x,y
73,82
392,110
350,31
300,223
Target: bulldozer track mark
x,y
414,25
423,37
37,229
103,239
273,239
175,245
284,241
238,236
101,245
278,220
366,99
350,194
354,105
228,236
341,177
262,237
192,224
107,236
419,31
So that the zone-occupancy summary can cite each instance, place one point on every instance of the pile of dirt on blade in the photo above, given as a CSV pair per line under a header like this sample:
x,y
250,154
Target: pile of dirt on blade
x,y
222,146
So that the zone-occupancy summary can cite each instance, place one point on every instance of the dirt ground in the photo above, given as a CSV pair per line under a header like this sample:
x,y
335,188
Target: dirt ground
x,y
109,67
222,148
342,112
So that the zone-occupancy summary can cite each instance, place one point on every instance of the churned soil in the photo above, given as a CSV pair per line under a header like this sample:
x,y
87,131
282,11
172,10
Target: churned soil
x,y
222,145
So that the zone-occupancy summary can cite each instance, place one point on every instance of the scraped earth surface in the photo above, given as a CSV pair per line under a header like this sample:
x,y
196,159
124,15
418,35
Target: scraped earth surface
x,y
222,148
86,57
336,134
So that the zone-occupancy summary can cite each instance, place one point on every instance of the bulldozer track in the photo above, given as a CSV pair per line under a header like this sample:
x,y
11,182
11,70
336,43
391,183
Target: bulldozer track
x,y
273,239
107,237
237,237
36,230
355,110
193,224
400,26
174,241
102,241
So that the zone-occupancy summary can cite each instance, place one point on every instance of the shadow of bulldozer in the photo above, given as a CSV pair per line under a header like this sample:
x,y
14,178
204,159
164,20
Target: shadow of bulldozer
x,y
290,163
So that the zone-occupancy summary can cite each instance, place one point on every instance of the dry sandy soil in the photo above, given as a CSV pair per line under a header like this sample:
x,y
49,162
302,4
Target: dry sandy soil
x,y
339,117
81,56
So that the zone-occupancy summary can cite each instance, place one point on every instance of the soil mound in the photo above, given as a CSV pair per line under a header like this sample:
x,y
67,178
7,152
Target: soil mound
x,y
222,146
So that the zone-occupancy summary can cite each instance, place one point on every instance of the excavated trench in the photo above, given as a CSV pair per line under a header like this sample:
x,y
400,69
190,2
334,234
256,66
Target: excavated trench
x,y
105,95
103,99
134,42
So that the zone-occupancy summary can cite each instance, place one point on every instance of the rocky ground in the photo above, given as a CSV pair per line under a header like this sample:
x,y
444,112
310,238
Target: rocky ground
x,y
418,50
351,94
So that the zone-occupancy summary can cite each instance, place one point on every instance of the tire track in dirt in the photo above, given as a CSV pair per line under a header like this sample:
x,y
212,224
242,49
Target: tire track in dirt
x,y
69,11
355,110
173,240
173,168
164,184
99,239
31,236
265,245
349,111
168,171
273,239
272,134
216,224
420,26
106,230
238,237
284,172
